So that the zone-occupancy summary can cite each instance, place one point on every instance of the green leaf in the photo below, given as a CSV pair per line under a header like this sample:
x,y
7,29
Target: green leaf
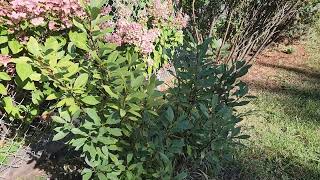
x,y
115,131
79,25
3,90
3,39
91,100
137,81
81,81
86,174
79,40
169,114
15,46
77,131
107,140
4,76
60,135
52,43
122,112
102,176
34,47
24,70
78,142
129,158
58,119
93,115
204,110
53,96
109,91
113,56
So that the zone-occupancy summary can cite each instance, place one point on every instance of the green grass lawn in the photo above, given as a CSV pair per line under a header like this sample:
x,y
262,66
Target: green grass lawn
x,y
285,129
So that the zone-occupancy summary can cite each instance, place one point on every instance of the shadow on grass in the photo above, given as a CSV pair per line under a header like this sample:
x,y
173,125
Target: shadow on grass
x,y
304,72
259,164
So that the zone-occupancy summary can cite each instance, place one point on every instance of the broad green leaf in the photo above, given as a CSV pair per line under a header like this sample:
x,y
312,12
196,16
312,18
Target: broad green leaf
x,y
15,46
77,131
5,50
91,100
3,89
34,47
129,158
60,135
102,176
113,56
169,114
58,119
204,110
122,112
52,43
53,96
93,115
78,143
3,39
107,140
86,174
137,81
79,25
109,91
4,76
24,70
81,81
115,131
79,40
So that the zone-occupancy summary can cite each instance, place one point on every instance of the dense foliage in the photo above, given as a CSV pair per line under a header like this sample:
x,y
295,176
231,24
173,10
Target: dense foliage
x,y
90,68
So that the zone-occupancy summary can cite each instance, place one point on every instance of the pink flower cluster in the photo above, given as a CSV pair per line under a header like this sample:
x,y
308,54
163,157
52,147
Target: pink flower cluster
x,y
58,13
5,59
134,33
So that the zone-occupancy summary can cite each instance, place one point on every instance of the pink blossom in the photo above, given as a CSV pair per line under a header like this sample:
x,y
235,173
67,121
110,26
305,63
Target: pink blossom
x,y
37,21
181,20
5,59
106,10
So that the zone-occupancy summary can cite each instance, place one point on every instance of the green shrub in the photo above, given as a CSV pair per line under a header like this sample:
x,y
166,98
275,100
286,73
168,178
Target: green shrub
x,y
103,101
